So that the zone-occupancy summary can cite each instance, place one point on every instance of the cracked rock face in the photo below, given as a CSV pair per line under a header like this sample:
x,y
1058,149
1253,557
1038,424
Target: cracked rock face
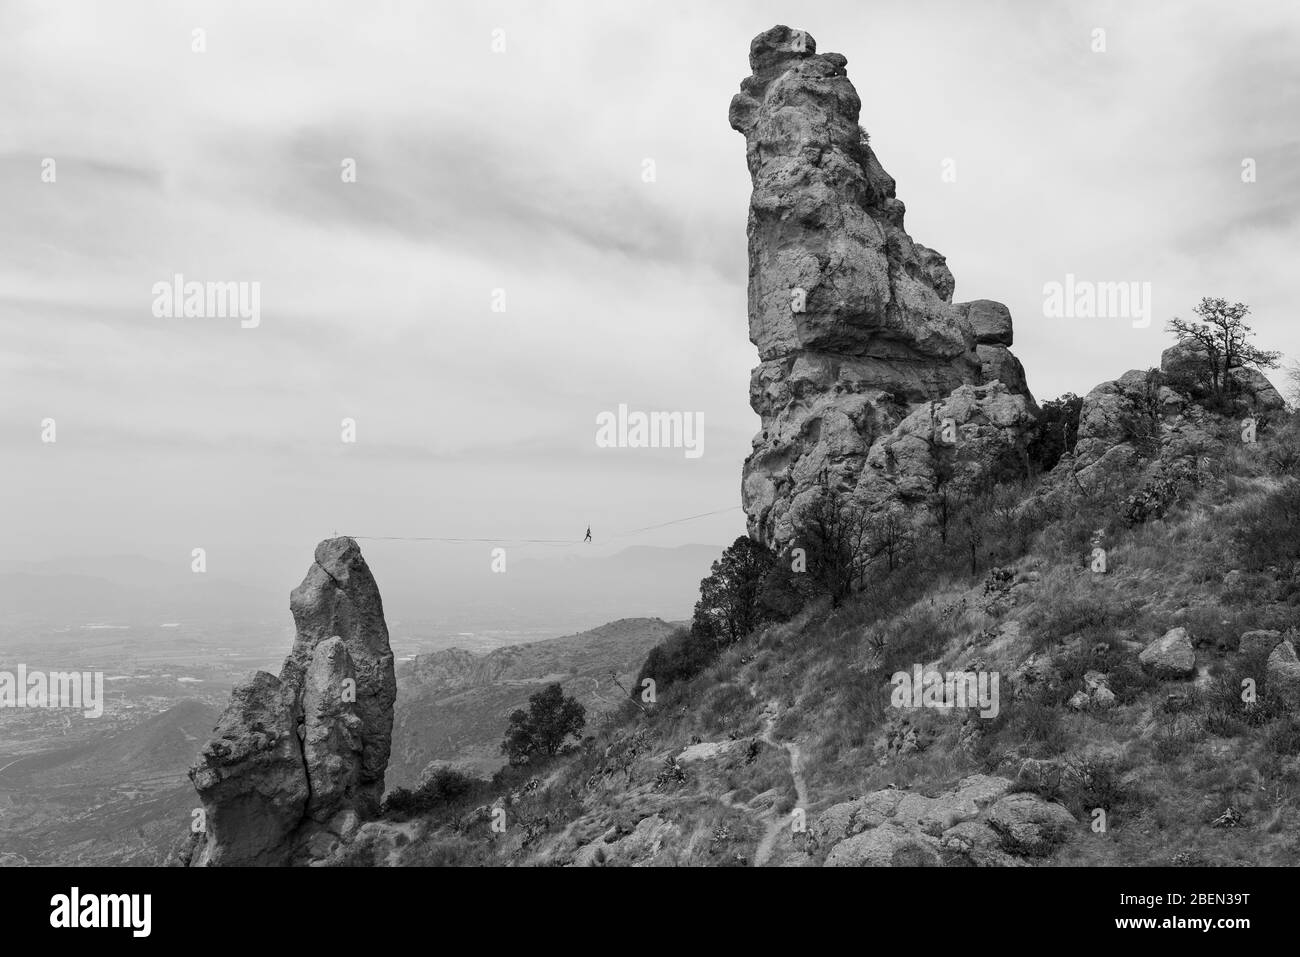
x,y
339,597
296,761
251,776
854,322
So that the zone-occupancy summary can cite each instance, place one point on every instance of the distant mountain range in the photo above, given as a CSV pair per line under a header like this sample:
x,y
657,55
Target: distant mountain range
x,y
566,593
452,705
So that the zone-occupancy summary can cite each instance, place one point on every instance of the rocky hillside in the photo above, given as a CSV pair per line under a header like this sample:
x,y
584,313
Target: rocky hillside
x,y
1145,711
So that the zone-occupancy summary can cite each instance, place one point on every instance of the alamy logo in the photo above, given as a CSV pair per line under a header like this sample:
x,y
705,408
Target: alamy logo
x,y
945,690
179,299
651,430
79,690
1085,299
103,910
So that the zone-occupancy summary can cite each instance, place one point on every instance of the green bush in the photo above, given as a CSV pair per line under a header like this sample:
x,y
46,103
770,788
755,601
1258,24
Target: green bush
x,y
445,786
731,603
1283,739
1227,715
1158,497
679,657
1055,433
1092,618
541,731
1268,529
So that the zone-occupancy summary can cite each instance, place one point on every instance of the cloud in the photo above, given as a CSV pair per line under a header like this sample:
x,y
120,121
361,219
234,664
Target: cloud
x,y
522,171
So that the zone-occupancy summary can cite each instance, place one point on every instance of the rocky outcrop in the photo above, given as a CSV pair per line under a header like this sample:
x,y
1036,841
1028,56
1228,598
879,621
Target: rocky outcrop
x,y
1258,644
1154,415
1170,656
296,762
1095,693
251,776
863,352
979,823
455,669
339,597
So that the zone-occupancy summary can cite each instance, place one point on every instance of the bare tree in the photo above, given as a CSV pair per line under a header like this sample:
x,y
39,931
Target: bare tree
x,y
891,536
943,470
838,542
972,533
1224,336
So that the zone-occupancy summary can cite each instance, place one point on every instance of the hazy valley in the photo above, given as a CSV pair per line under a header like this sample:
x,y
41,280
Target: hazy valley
x,y
114,789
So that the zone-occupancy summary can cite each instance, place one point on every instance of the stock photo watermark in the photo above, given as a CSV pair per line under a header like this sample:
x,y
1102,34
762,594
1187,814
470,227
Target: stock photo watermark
x,y
946,691
1086,299
179,299
651,430
72,690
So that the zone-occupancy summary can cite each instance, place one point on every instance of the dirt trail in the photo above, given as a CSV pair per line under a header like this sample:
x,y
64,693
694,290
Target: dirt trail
x,y
779,823
412,830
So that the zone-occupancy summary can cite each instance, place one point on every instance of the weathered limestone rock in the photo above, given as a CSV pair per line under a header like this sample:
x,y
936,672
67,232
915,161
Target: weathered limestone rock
x,y
251,776
1095,694
1259,643
339,597
640,848
977,823
886,846
861,345
296,762
332,743
1030,825
1171,656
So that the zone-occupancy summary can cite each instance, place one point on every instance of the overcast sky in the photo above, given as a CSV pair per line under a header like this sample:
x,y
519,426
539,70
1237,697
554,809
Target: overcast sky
x,y
522,170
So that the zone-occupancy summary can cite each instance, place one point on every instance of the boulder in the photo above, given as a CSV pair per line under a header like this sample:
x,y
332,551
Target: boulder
x,y
1258,643
844,820
1029,825
1171,656
886,846
990,322
1095,694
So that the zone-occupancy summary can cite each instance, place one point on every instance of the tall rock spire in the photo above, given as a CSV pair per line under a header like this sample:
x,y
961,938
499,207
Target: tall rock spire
x,y
863,352
296,762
